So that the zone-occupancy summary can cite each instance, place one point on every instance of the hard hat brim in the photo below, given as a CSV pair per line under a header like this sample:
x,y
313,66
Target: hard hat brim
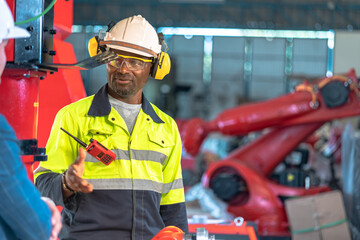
x,y
131,50
128,47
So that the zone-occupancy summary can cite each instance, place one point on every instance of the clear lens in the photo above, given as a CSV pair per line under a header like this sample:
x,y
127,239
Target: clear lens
x,y
133,64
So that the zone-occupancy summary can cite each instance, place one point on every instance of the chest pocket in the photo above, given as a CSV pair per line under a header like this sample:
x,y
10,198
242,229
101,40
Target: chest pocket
x,y
94,167
160,148
100,135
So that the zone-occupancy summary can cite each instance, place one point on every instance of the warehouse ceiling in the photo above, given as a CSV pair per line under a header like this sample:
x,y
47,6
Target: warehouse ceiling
x,y
275,14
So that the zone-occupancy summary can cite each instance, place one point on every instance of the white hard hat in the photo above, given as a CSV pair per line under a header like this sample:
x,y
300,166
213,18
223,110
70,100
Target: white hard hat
x,y
7,28
134,34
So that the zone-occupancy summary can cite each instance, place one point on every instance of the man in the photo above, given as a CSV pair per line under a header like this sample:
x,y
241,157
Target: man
x,y
23,215
141,191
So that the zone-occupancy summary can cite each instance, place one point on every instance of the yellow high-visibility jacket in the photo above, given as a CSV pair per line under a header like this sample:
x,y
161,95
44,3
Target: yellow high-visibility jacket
x,y
135,196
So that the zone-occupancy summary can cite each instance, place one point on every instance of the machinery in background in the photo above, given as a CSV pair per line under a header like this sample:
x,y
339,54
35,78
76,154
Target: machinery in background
x,y
236,230
30,92
315,162
243,178
175,233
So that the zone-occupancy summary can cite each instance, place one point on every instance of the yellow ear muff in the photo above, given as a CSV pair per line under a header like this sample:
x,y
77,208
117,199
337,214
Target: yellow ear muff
x,y
161,66
93,46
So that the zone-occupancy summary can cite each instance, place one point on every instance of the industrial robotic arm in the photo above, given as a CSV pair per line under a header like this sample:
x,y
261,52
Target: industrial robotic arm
x,y
242,178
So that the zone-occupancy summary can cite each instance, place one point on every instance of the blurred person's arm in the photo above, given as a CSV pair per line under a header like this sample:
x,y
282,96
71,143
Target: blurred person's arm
x,y
55,218
22,213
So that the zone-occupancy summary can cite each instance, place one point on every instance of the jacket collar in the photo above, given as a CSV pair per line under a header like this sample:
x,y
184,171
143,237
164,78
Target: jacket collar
x,y
100,105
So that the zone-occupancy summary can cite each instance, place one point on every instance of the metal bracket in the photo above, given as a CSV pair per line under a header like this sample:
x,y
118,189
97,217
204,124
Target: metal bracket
x,y
30,147
38,48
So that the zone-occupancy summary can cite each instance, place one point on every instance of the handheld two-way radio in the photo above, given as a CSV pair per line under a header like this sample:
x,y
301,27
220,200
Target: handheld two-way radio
x,y
96,150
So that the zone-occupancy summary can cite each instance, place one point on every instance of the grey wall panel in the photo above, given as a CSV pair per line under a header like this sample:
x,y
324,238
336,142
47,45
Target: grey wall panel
x,y
228,46
224,95
268,67
310,47
346,52
189,54
79,41
188,66
184,106
264,46
268,58
97,78
189,59
261,90
309,68
230,68
227,84
182,45
310,57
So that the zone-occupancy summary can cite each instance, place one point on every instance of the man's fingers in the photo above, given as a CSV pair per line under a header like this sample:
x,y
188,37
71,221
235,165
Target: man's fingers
x,y
77,168
79,184
56,224
55,218
81,157
74,174
86,187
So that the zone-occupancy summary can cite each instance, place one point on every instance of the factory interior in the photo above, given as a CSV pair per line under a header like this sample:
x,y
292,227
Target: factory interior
x,y
265,95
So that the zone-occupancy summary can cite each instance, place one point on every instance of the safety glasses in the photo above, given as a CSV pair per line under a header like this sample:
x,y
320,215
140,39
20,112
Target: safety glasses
x,y
132,63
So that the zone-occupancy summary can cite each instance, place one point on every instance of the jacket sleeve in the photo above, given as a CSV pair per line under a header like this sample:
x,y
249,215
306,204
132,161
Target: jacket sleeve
x,y
26,216
172,209
61,151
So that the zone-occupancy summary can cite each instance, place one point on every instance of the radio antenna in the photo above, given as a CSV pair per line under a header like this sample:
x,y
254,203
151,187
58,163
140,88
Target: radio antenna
x,y
78,140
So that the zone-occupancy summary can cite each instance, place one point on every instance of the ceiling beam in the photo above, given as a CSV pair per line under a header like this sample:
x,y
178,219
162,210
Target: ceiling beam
x,y
233,14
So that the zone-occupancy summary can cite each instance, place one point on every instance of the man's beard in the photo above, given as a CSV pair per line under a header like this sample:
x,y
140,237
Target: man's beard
x,y
122,92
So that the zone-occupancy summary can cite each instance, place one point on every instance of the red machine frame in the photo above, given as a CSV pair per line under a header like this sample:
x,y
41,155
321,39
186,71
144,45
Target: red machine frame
x,y
233,229
29,103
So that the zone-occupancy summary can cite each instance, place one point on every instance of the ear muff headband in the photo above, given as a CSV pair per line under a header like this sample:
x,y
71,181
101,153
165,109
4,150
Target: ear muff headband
x,y
161,66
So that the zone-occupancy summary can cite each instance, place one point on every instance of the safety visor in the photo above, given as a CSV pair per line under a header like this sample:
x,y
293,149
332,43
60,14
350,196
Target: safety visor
x,y
129,47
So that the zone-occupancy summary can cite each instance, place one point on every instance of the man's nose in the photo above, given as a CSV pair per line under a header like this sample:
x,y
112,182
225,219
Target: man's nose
x,y
124,67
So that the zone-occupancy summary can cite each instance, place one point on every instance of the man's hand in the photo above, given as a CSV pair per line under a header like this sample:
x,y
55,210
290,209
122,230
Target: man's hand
x,y
73,176
55,218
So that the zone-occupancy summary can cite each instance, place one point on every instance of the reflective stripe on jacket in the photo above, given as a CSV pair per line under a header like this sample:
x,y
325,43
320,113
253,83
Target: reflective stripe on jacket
x,y
138,193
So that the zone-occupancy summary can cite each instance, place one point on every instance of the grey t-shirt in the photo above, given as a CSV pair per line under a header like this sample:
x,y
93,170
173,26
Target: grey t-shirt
x,y
127,111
